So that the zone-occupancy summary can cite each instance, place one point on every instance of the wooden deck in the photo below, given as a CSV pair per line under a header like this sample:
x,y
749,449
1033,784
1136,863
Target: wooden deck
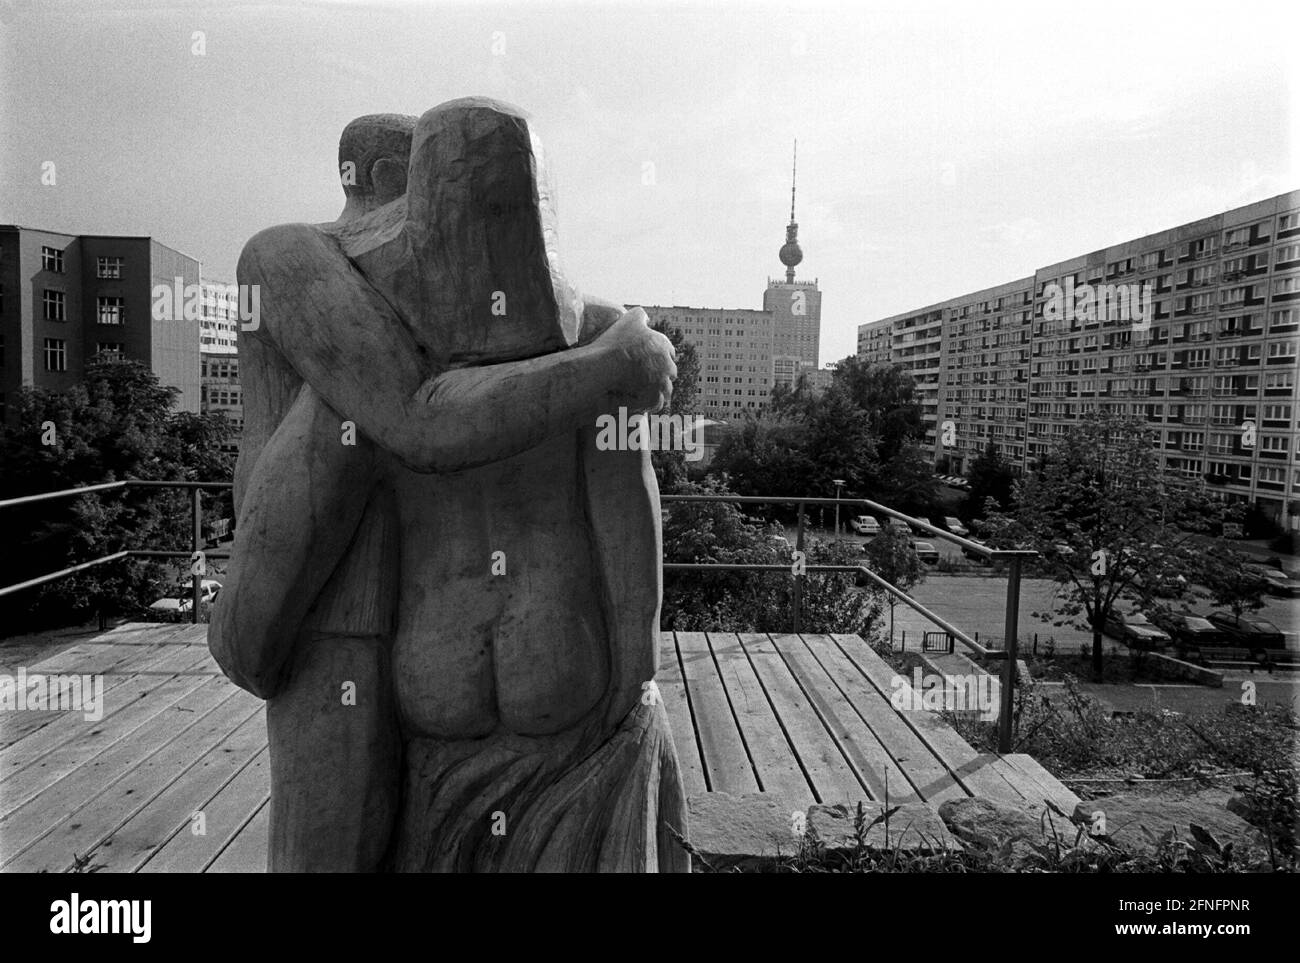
x,y
806,718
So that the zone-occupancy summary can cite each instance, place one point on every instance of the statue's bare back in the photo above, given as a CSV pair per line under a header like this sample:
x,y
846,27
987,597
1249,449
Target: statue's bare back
x,y
477,653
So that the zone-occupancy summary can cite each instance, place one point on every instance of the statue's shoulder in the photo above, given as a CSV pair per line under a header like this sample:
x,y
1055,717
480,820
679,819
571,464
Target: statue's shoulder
x,y
274,249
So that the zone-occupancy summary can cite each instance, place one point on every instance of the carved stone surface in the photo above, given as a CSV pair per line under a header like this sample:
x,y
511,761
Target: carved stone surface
x,y
447,594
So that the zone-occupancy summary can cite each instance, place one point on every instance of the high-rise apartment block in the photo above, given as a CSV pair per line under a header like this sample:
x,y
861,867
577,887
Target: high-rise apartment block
x,y
66,297
1193,329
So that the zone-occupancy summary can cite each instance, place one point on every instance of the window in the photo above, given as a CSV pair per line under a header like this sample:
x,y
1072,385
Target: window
x,y
1287,285
56,354
1279,379
1281,349
1288,252
112,310
1282,320
108,267
1273,444
1221,443
1289,222
110,347
55,305
52,260
1268,475
1200,358
1277,413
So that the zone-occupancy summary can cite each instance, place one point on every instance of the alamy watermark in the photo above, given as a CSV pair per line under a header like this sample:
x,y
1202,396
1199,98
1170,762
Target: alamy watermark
x,y
660,432
974,692
184,302
1099,302
63,693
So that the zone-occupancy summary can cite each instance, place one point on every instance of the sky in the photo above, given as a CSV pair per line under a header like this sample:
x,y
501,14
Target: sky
x,y
943,148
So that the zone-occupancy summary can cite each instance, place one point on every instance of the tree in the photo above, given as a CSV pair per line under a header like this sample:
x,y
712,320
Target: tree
x,y
117,424
1106,522
886,394
1230,583
906,482
892,556
861,430
991,476
763,455
670,466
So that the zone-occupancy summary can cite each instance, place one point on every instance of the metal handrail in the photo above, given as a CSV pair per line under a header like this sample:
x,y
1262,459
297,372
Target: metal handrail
x,y
196,537
1013,556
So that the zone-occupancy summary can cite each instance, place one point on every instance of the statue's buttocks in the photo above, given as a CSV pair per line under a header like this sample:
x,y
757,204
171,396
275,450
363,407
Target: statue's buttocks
x,y
524,650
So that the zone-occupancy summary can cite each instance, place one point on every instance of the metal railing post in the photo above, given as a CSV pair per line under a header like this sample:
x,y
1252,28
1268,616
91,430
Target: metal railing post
x,y
196,545
798,579
1009,646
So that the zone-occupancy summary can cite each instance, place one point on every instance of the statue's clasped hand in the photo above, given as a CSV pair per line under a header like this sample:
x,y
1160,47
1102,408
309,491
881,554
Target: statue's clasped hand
x,y
647,361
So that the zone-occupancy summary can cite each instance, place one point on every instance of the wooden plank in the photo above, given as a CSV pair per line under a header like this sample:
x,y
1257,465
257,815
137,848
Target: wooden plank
x,y
106,652
976,773
15,726
871,761
89,824
172,810
925,775
775,762
22,785
226,814
42,812
1039,784
131,690
247,852
832,778
726,763
672,689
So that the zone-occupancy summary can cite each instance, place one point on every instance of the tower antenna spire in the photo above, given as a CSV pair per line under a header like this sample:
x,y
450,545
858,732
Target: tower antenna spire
x,y
794,173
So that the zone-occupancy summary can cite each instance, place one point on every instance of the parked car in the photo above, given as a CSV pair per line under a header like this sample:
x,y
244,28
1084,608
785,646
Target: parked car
x,y
1191,631
1248,631
898,525
183,598
1276,581
926,552
1136,630
954,525
866,525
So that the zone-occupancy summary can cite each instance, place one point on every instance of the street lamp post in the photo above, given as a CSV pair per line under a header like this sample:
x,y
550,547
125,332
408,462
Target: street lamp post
x,y
839,484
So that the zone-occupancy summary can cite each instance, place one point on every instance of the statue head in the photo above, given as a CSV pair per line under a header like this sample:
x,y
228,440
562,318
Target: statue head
x,y
480,218
374,153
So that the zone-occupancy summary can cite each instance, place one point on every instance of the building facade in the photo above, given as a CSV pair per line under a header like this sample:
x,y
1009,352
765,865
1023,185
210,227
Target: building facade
x,y
220,391
66,297
874,341
734,347
1193,329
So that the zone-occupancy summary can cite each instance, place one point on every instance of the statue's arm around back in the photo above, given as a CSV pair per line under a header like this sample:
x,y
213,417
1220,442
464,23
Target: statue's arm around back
x,y
347,342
